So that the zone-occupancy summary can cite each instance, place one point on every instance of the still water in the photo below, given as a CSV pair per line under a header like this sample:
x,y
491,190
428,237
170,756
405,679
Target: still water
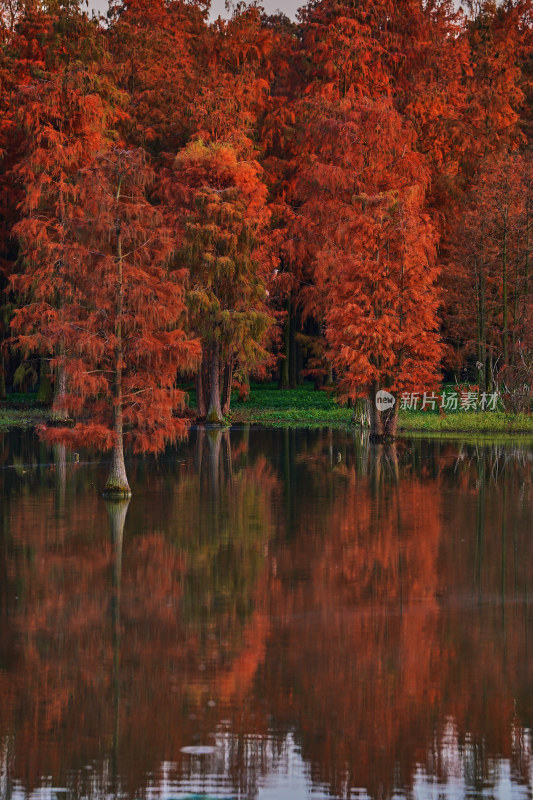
x,y
277,614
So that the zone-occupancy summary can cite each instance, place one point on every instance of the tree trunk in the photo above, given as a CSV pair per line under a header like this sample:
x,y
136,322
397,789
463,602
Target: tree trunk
x,y
526,260
3,392
214,414
284,376
514,331
482,316
361,412
293,360
44,392
504,300
59,412
383,423
226,390
481,327
483,335
117,483
299,361
206,380
200,391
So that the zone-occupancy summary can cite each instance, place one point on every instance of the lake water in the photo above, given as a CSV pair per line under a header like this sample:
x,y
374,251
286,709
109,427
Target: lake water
x,y
277,614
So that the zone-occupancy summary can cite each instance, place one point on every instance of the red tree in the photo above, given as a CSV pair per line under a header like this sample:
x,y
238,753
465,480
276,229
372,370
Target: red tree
x,y
375,252
490,253
99,300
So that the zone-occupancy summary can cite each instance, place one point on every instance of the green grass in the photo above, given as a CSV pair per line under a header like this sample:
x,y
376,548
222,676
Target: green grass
x,y
268,405
22,411
466,422
22,417
305,406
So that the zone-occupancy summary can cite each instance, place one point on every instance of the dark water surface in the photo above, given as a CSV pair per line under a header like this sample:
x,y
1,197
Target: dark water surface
x,y
278,614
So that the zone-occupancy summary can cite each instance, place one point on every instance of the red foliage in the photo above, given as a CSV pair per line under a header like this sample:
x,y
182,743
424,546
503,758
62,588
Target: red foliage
x,y
99,299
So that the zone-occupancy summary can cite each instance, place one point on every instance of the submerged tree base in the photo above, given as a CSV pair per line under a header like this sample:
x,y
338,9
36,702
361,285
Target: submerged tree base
x,y
383,423
116,491
215,419
117,485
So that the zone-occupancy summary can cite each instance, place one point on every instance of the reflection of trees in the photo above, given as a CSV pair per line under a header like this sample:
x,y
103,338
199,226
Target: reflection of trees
x,y
116,510
395,597
354,656
222,521
303,583
135,645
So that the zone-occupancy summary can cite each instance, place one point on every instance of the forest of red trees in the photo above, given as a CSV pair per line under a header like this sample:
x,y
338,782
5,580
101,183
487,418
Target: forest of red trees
x,y
347,197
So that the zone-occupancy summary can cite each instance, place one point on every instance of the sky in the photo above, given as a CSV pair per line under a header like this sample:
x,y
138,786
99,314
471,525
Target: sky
x,y
289,7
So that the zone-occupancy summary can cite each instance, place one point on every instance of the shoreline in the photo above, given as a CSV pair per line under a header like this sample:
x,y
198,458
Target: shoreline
x,y
478,423
506,425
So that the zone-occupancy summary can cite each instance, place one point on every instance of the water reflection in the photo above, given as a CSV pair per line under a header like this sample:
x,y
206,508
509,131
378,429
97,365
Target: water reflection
x,y
274,613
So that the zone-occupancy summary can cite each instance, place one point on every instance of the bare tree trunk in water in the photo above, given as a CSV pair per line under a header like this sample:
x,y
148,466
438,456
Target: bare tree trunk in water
x,y
383,423
214,414
117,483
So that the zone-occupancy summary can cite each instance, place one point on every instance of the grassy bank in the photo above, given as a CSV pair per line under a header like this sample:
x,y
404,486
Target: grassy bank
x,y
305,407
22,411
21,416
466,422
269,405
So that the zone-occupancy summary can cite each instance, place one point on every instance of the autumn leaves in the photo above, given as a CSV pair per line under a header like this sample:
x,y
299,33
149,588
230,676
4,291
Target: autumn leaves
x,y
215,200
227,265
